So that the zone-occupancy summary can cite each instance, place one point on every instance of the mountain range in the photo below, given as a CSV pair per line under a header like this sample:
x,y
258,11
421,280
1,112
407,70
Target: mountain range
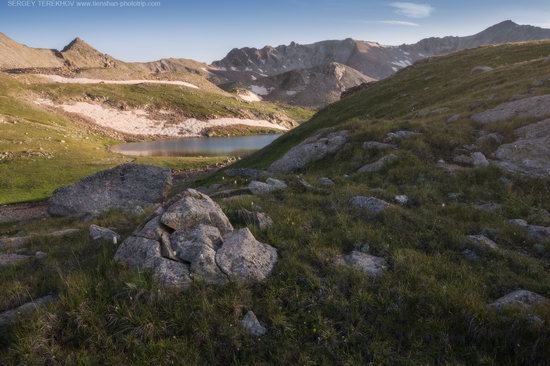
x,y
311,75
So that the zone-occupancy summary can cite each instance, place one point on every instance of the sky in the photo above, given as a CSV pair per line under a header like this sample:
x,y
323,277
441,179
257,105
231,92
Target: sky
x,y
205,30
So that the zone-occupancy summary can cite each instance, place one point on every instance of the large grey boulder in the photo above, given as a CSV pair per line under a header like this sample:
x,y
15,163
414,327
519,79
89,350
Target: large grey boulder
x,y
124,188
371,205
244,258
252,325
529,155
378,165
520,298
310,150
532,107
192,240
369,264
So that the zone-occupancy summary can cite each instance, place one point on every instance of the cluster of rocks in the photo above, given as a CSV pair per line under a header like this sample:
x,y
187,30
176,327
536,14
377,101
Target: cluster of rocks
x,y
192,239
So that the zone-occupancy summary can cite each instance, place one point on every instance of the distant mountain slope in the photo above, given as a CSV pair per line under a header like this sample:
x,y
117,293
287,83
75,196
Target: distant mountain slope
x,y
369,58
313,87
14,55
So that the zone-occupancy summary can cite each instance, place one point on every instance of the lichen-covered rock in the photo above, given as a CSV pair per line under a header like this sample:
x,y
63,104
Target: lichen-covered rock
x,y
479,160
243,258
123,188
400,135
252,325
371,265
195,208
378,165
138,253
188,244
520,298
535,232
310,150
370,204
171,273
12,258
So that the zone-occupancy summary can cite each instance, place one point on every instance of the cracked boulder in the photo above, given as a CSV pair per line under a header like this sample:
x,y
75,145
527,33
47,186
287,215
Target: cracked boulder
x,y
192,240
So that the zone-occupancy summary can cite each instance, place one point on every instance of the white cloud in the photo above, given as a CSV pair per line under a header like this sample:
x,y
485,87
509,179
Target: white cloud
x,y
412,10
398,22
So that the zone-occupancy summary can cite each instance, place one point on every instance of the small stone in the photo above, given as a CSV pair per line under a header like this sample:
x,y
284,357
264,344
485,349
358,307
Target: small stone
x,y
378,165
271,185
520,298
470,255
483,241
479,160
372,205
324,181
40,255
402,199
481,69
453,118
371,265
252,325
375,145
101,233
400,135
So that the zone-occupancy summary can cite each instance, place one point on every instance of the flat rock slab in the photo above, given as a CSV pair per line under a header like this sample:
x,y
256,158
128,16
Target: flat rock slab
x,y
378,165
12,258
191,239
310,150
369,264
124,187
9,316
19,241
521,298
372,205
271,185
22,212
535,232
482,241
529,155
532,107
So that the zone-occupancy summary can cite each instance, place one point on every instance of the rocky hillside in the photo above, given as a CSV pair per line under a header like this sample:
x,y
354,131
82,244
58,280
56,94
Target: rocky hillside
x,y
373,60
14,55
314,87
407,224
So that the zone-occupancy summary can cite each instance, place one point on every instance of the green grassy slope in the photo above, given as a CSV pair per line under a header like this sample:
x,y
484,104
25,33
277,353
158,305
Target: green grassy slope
x,y
430,308
47,151
444,81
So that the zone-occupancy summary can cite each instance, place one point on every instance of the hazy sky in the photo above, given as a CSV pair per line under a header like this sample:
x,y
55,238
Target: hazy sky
x,y
206,30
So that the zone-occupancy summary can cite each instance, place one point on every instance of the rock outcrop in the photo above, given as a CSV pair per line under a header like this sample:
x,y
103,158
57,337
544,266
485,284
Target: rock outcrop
x,y
520,298
312,149
192,239
124,188
532,107
378,165
529,155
